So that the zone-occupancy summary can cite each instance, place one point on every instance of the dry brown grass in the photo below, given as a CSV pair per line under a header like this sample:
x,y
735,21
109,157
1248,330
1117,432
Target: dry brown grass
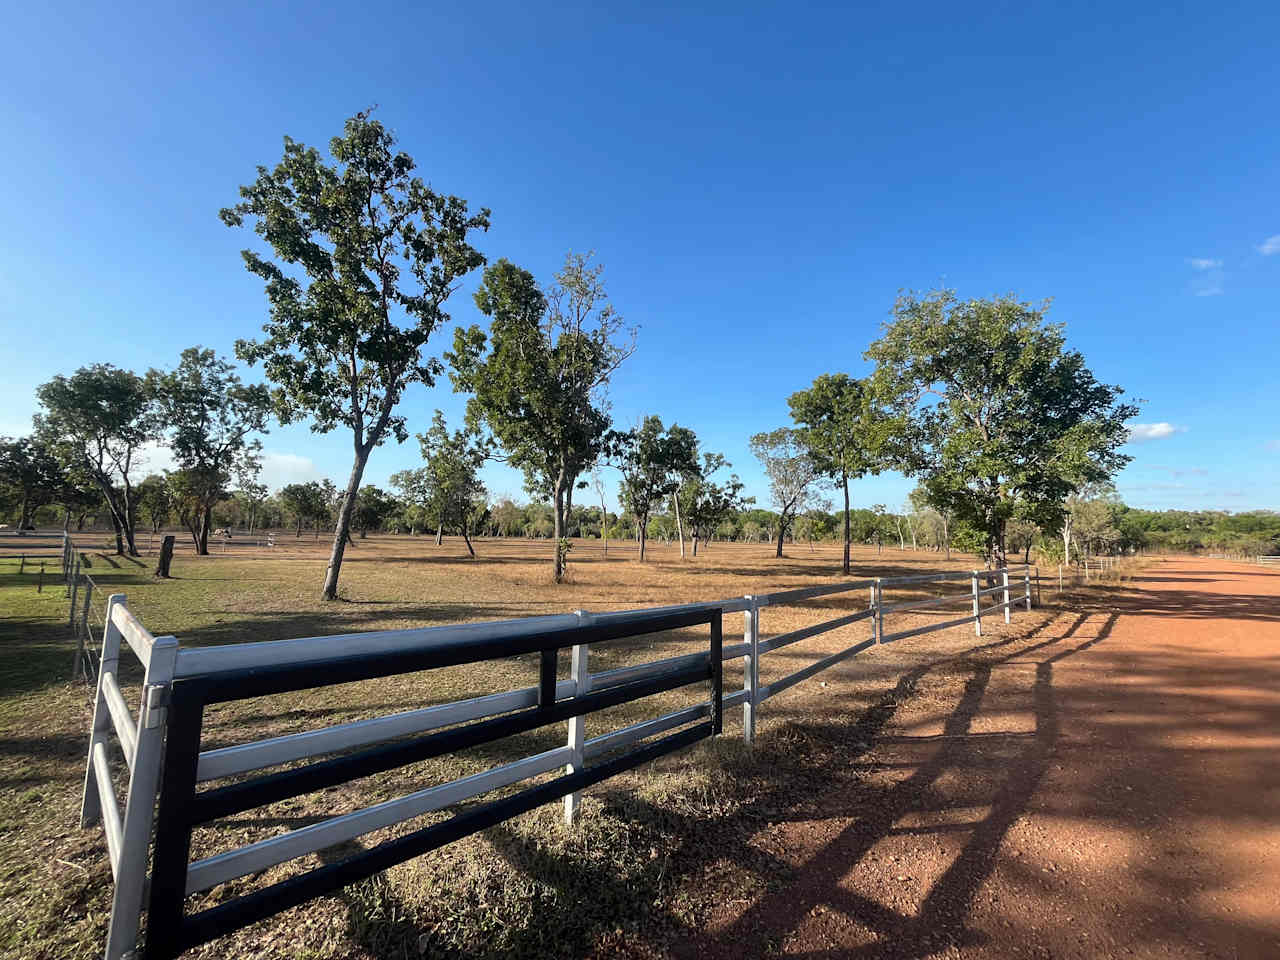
x,y
637,864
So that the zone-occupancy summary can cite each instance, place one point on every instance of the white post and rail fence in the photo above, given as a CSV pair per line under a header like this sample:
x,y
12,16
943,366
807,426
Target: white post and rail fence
x,y
149,838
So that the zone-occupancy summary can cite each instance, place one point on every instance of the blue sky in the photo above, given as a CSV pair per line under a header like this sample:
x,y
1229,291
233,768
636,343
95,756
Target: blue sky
x,y
758,180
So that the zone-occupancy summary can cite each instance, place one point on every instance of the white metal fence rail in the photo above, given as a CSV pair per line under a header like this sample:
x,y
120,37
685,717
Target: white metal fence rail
x,y
142,740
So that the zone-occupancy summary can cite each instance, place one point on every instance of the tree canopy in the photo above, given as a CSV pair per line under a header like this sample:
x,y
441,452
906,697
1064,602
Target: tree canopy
x,y
791,473
97,421
209,417
652,459
539,376
31,473
845,433
996,414
365,257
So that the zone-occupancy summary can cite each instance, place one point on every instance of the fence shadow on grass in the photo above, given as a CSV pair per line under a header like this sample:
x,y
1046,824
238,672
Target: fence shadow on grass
x,y
583,899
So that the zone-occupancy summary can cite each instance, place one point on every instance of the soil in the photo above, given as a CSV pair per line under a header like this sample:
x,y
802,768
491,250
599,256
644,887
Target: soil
x,y
1108,786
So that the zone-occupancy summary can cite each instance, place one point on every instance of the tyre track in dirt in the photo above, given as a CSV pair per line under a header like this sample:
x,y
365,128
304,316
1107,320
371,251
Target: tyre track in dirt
x,y
1107,786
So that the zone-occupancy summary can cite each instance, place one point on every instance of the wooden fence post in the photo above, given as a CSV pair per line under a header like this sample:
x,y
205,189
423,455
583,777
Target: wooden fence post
x,y
750,668
977,607
1005,581
580,674
1028,573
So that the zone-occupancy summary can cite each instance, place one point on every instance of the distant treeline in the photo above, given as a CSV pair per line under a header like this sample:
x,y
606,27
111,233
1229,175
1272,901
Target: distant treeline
x,y
1101,525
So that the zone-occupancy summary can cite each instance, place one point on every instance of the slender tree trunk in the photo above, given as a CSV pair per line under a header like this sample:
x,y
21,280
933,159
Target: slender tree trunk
x,y
297,534
782,529
557,509
998,548
1066,539
26,514
115,522
642,533
343,530
946,534
440,532
695,541
202,538
844,479
675,500
466,537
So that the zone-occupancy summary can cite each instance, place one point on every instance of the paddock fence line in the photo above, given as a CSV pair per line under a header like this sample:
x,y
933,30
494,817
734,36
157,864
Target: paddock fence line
x,y
166,764
1269,561
86,607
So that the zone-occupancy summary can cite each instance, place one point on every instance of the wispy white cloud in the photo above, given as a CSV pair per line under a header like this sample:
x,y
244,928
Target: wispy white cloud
x,y
280,469
1204,263
1142,432
1211,291
1270,245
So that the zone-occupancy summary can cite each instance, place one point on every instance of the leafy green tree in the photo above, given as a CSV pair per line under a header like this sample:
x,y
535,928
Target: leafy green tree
x,y
417,493
791,472
187,491
79,496
1091,518
304,502
253,496
209,417
652,460
97,422
373,508
704,503
155,501
336,348
846,435
448,488
994,412
539,377
32,473
935,520
508,518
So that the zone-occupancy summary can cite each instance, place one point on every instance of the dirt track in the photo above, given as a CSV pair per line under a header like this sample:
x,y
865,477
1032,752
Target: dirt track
x,y
1109,786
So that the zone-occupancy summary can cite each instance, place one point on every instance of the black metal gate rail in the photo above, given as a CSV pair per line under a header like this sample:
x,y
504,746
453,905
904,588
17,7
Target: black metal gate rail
x,y
181,808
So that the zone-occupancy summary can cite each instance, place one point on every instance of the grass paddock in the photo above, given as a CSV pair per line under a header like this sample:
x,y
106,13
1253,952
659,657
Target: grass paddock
x,y
655,849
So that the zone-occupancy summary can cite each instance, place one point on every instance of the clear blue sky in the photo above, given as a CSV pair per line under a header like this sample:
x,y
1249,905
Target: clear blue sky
x,y
759,182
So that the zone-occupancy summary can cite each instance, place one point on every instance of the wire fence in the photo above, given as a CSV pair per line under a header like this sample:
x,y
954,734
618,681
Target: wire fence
x,y
86,610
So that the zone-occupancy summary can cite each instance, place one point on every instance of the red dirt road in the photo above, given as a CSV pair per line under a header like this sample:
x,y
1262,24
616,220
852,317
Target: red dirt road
x,y
1106,787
